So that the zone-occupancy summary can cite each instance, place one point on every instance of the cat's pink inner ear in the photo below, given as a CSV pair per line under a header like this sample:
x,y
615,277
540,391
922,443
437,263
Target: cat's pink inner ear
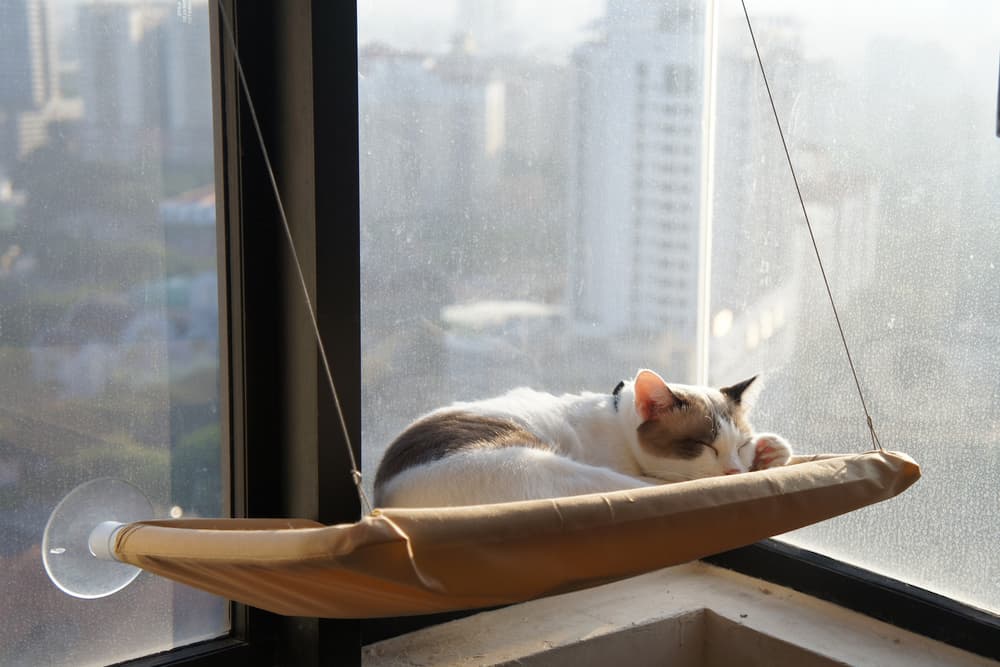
x,y
652,396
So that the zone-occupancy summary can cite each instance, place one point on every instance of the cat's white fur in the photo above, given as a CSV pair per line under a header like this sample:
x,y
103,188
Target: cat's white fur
x,y
594,448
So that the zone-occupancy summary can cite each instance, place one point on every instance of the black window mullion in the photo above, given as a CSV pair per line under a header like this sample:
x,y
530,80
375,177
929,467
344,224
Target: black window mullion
x,y
287,454
338,247
295,457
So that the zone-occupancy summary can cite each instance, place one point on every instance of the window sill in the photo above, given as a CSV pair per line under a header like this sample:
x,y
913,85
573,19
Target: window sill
x,y
694,614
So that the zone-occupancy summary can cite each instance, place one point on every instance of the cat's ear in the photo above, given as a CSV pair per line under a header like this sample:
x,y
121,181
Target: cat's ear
x,y
652,395
743,393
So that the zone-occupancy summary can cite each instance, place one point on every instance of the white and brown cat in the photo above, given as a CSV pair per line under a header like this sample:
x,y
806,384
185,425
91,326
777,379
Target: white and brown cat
x,y
528,444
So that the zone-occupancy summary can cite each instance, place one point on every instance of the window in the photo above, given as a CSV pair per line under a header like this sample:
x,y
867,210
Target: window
x,y
268,455
892,135
884,156
497,233
109,323
678,79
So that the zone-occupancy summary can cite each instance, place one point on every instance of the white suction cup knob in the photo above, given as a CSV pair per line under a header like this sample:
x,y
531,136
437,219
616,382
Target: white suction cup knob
x,y
102,540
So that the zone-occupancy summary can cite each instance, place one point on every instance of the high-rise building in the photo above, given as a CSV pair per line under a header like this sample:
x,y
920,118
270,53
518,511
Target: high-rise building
x,y
120,47
28,77
144,83
765,284
187,86
27,68
440,121
634,256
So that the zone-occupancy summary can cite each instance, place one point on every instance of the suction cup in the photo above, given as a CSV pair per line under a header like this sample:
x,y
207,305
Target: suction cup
x,y
77,547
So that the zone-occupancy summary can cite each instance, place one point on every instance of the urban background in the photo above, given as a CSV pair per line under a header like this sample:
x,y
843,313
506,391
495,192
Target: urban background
x,y
544,188
108,304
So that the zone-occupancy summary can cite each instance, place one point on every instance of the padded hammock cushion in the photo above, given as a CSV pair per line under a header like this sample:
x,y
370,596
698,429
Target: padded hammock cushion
x,y
413,561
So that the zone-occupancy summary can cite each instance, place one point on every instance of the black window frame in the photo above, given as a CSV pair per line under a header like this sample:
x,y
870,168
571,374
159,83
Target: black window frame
x,y
287,454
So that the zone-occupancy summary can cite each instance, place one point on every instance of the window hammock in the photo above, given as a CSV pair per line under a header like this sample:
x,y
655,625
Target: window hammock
x,y
414,561
396,562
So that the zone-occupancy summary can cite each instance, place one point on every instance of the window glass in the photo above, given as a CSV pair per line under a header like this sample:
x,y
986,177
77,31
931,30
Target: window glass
x,y
890,113
530,178
544,203
109,349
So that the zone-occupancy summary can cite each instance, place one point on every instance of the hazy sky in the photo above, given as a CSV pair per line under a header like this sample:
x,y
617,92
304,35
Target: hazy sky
x,y
965,27
961,26
549,25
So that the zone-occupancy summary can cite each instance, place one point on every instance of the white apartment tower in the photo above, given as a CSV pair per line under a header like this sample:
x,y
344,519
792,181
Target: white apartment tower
x,y
28,78
634,245
29,81
120,60
145,82
187,86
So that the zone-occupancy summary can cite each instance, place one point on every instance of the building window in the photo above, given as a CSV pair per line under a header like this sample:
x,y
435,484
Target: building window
x,y
678,79
109,344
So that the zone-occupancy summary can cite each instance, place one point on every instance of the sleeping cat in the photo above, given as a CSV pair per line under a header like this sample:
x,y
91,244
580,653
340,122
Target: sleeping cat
x,y
528,445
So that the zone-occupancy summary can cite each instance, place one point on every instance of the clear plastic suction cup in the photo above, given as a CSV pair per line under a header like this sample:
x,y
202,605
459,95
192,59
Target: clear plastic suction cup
x,y
78,541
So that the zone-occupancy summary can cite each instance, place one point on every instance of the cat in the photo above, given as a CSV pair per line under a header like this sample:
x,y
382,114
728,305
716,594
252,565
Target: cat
x,y
527,445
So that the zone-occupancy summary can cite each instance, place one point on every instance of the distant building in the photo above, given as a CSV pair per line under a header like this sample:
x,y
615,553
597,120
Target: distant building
x,y
28,78
187,87
765,291
120,47
442,118
634,246
514,339
189,227
10,203
145,81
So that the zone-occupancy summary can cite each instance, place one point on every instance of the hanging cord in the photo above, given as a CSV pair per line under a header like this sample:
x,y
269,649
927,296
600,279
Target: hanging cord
x,y
355,472
876,444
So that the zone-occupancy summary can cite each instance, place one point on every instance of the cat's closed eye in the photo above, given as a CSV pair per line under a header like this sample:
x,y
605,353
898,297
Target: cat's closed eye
x,y
694,448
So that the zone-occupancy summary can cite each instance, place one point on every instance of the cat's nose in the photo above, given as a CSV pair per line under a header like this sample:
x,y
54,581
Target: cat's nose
x,y
732,471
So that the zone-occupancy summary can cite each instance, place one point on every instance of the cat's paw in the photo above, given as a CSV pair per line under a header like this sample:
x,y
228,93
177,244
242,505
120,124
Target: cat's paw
x,y
770,451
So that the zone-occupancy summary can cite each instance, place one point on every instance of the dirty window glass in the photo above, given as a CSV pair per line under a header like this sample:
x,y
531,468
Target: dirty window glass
x,y
890,114
531,185
555,194
109,350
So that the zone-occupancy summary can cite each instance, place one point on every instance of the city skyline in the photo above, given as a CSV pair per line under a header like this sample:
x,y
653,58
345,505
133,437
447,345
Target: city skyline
x,y
109,319
902,220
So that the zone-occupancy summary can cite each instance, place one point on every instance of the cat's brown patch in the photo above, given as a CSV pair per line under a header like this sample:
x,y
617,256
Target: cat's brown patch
x,y
446,434
683,431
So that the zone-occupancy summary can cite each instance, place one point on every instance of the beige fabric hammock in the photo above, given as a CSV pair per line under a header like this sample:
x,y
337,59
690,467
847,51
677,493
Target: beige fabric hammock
x,y
414,561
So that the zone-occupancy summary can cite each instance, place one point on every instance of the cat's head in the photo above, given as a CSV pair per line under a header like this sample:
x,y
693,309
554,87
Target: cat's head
x,y
687,432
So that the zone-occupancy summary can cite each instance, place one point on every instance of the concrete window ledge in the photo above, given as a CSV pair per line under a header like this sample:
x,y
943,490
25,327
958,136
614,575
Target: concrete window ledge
x,y
690,615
